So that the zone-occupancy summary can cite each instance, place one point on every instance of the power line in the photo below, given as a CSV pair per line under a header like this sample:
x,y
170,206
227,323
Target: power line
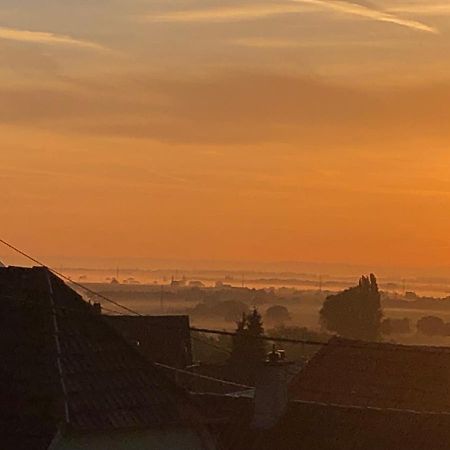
x,y
261,337
61,275
210,344
204,377
362,345
372,408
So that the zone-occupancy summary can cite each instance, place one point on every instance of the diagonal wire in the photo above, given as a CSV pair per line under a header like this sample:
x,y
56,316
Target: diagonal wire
x,y
61,275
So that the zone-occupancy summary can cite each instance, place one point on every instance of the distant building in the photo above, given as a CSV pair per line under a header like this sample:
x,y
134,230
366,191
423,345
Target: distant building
x,y
131,280
221,284
178,283
195,283
68,380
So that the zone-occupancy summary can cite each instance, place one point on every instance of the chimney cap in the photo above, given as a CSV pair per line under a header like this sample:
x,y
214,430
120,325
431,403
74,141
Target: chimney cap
x,y
276,356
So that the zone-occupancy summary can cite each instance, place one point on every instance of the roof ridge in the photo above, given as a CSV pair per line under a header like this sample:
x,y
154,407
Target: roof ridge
x,y
354,343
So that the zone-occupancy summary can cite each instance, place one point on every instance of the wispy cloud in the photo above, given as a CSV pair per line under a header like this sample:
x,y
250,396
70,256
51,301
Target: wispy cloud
x,y
260,42
231,14
427,8
361,10
42,37
263,42
258,11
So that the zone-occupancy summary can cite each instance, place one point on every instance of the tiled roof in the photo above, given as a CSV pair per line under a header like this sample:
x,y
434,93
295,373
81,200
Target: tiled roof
x,y
307,426
163,339
72,366
229,419
346,372
351,396
320,427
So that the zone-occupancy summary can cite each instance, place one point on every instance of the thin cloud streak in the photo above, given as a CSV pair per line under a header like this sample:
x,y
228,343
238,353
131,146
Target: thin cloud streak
x,y
42,37
250,12
369,13
269,43
428,9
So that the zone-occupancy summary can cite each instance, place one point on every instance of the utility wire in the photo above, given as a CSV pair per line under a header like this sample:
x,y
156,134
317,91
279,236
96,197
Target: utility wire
x,y
362,345
61,275
210,344
371,408
203,377
261,337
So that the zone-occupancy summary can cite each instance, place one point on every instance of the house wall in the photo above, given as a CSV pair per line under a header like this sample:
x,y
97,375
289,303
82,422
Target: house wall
x,y
178,439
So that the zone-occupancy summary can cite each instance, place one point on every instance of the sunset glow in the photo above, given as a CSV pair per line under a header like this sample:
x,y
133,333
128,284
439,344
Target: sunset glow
x,y
308,130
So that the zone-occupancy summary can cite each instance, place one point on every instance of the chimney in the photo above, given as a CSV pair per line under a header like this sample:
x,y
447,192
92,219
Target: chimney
x,y
271,397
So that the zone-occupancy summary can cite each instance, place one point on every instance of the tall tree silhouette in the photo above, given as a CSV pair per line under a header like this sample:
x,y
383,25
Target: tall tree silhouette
x,y
356,312
247,349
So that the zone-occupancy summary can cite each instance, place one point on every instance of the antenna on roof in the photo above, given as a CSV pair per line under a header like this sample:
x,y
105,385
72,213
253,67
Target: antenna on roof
x,y
162,298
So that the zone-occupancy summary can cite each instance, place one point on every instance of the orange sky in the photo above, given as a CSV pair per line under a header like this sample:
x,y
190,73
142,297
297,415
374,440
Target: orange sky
x,y
263,131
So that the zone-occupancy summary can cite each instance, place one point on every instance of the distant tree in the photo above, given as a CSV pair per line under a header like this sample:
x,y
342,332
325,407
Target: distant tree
x,y
209,349
231,310
356,312
277,315
395,326
431,326
247,349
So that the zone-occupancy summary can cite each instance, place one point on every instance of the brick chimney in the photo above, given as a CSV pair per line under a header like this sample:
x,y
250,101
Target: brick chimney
x,y
271,397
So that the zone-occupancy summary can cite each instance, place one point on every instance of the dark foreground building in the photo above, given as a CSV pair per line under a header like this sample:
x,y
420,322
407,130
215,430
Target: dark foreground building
x,y
163,339
68,380
351,396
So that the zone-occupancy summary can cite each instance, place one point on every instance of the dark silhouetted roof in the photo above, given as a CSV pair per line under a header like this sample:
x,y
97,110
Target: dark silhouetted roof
x,y
320,427
351,396
307,426
346,372
163,339
63,363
